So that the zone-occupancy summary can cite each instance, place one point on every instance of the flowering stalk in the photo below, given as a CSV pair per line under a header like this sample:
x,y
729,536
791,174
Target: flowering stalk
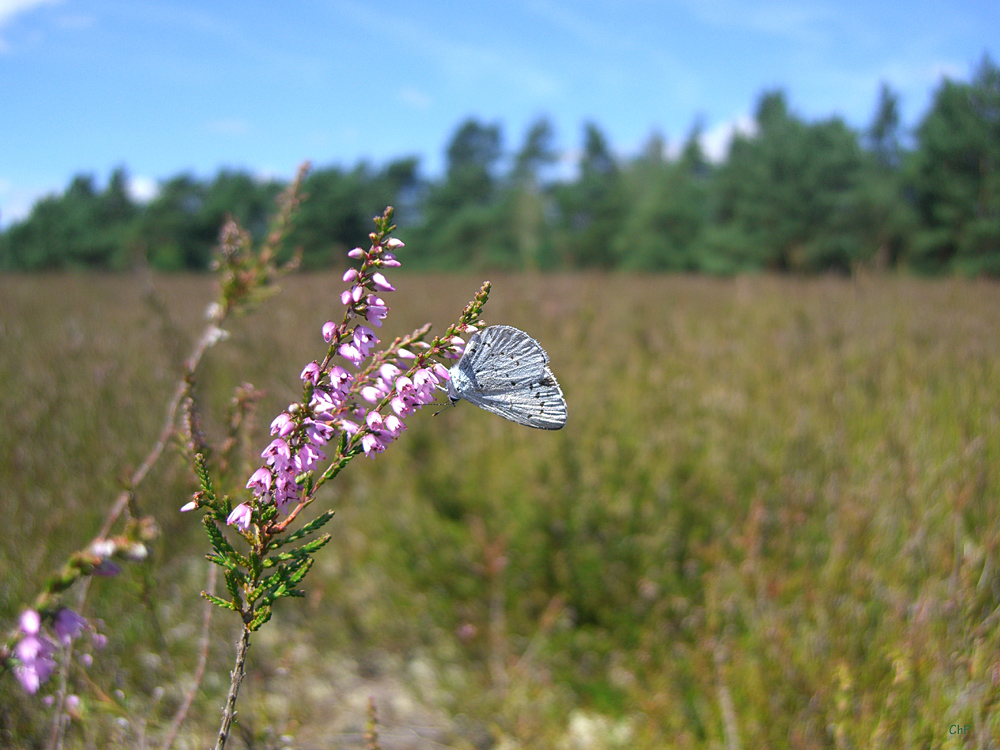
x,y
354,401
43,634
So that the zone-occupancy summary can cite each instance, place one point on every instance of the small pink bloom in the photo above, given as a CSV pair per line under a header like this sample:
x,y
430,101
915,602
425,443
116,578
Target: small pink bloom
x,y
260,481
394,244
376,310
31,622
352,354
340,379
286,491
356,253
308,457
441,371
189,506
283,425
329,329
351,275
68,625
381,283
348,426
323,402
389,261
371,444
311,373
393,425
405,354
277,449
371,394
403,385
240,517
318,432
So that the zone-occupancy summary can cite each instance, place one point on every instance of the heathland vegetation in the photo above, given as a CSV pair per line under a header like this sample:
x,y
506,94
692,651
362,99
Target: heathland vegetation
x,y
771,520
793,196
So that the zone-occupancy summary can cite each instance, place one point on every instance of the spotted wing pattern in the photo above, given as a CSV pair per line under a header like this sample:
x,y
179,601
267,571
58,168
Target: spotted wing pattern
x,y
506,372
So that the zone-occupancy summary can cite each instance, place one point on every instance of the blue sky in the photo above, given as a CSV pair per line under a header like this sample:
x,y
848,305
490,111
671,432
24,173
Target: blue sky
x,y
167,87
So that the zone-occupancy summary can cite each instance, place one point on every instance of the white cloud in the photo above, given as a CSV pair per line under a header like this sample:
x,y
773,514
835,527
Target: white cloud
x,y
414,97
229,126
11,8
142,189
715,141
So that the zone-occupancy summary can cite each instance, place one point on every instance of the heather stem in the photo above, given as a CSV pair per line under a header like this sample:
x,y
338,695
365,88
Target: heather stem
x,y
234,687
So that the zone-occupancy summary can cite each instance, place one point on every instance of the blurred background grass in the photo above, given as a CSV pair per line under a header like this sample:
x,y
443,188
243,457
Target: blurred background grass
x,y
772,518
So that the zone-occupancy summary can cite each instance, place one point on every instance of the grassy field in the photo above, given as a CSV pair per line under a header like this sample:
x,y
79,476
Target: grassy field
x,y
771,521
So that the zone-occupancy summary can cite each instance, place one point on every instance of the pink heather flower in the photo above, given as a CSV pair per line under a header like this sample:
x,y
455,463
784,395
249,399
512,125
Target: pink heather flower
x,y
287,491
393,425
371,444
348,426
283,425
371,394
352,354
374,420
349,296
457,346
311,373
340,379
388,371
364,339
277,453
308,457
34,653
389,261
405,354
68,625
329,329
351,275
376,311
356,253
318,432
324,402
394,244
381,283
441,371
260,481
403,385
240,517
31,622
193,505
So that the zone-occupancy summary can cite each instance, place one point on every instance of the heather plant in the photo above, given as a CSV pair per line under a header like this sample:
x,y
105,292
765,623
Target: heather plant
x,y
341,415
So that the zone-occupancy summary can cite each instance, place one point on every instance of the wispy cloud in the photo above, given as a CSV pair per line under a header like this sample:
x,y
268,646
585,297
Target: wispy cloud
x,y
142,189
228,126
794,20
11,8
464,62
716,140
414,97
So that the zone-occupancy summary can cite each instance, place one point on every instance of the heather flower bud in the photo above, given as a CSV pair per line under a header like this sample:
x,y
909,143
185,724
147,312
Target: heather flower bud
x,y
381,283
240,517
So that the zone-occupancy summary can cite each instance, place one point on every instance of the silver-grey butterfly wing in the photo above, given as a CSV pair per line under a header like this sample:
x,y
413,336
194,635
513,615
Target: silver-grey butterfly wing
x,y
506,372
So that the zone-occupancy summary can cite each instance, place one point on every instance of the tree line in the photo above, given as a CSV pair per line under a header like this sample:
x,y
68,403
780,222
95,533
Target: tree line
x,y
793,196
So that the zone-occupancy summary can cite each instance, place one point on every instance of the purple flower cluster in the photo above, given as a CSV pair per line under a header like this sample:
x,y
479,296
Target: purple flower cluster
x,y
333,392
35,649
